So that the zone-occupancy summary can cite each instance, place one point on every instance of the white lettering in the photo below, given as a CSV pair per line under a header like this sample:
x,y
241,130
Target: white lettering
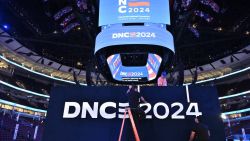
x,y
156,111
92,111
122,2
103,108
134,35
66,113
122,9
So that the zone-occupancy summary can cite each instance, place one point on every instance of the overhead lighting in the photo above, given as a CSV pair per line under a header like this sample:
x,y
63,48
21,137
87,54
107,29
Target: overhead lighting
x,y
79,64
247,32
220,29
5,26
194,25
223,116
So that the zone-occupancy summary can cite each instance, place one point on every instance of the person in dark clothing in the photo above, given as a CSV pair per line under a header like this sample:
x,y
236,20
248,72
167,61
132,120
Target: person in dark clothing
x,y
200,131
134,99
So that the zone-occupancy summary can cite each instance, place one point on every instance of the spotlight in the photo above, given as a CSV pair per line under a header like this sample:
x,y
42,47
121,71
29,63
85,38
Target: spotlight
x,y
79,63
194,25
223,116
219,29
5,26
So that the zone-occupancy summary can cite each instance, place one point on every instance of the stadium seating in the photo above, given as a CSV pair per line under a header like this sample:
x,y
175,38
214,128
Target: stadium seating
x,y
26,127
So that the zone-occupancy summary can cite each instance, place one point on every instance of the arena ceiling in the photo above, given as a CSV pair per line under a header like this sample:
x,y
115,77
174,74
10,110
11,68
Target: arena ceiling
x,y
204,30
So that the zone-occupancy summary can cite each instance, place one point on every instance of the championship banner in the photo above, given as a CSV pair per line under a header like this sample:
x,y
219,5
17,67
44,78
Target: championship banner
x,y
134,11
96,113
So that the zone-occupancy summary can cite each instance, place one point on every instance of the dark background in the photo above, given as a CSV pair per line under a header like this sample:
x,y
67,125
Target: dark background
x,y
101,129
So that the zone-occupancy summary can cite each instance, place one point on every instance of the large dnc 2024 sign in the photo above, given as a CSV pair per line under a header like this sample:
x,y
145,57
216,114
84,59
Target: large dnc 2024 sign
x,y
95,113
134,11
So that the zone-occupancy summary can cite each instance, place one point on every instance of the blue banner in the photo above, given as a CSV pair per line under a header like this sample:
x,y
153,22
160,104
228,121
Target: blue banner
x,y
134,11
96,113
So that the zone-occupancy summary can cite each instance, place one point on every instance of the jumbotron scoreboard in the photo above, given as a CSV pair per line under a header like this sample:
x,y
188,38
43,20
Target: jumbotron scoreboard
x,y
134,45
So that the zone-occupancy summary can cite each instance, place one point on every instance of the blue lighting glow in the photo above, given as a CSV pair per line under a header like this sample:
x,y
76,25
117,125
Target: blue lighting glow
x,y
38,73
234,95
23,90
5,26
237,112
220,77
22,106
58,79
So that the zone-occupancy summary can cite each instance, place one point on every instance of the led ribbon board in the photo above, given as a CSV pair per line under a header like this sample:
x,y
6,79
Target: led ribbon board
x,y
134,11
135,35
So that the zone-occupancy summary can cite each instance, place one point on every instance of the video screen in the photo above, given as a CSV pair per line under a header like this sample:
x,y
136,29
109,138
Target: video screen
x,y
136,70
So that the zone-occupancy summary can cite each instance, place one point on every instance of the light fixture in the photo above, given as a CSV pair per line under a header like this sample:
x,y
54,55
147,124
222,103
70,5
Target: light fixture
x,y
194,25
223,116
79,63
5,26
219,29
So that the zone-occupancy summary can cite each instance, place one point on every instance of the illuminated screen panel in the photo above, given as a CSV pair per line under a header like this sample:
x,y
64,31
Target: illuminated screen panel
x,y
135,73
153,65
134,11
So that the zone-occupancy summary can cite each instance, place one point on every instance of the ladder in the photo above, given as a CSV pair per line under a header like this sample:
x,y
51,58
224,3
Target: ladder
x,y
128,110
